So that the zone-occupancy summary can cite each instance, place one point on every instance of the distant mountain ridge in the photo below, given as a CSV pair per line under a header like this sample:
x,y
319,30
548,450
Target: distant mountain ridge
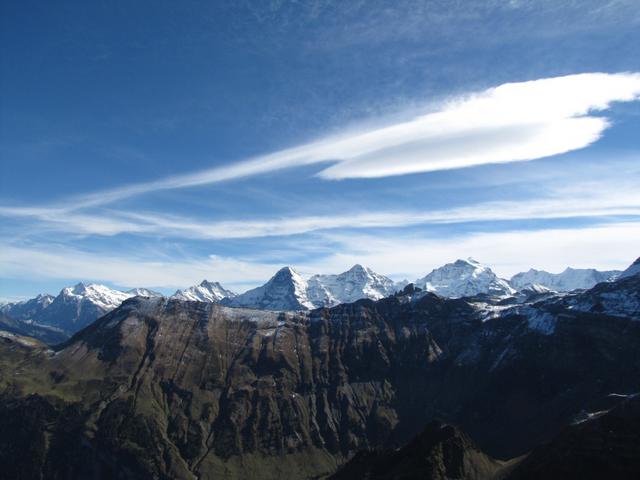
x,y
71,310
204,292
77,306
288,290
566,281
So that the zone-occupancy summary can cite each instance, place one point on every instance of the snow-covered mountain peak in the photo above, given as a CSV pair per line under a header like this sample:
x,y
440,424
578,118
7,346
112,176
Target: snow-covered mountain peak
x,y
290,275
286,290
44,299
206,291
356,283
469,261
26,309
358,269
569,279
78,289
287,272
143,292
100,295
464,278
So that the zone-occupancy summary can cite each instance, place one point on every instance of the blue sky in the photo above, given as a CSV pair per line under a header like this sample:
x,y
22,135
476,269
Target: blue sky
x,y
159,143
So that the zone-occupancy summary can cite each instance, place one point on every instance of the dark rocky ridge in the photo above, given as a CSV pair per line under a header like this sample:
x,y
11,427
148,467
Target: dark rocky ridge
x,y
603,445
171,389
439,452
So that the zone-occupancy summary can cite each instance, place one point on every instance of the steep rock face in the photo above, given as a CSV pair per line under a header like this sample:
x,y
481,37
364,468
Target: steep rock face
x,y
205,292
606,445
464,278
566,281
356,283
633,270
175,389
286,290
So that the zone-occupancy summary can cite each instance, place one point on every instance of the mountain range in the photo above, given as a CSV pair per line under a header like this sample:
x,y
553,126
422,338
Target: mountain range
x,y
204,292
54,319
566,281
469,387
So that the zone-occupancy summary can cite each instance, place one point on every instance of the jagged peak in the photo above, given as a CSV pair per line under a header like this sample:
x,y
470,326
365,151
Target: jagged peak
x,y
78,288
359,268
287,272
469,261
205,291
464,278
82,288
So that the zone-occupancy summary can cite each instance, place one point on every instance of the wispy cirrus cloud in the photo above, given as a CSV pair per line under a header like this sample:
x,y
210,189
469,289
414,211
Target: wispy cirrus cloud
x,y
36,262
591,199
509,123
507,252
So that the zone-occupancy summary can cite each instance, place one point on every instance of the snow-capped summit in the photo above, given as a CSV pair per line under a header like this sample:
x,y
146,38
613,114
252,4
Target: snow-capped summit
x,y
634,269
26,309
143,292
464,278
356,283
100,295
286,290
570,279
78,306
205,292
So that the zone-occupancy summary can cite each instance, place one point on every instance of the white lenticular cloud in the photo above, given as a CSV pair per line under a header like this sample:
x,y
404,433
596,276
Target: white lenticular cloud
x,y
509,123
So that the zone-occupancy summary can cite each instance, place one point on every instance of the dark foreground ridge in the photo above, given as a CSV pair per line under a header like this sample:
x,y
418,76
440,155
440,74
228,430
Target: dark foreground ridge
x,y
176,389
604,446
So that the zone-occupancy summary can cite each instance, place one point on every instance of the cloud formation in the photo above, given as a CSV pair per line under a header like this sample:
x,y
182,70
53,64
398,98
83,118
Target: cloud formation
x,y
578,201
509,123
507,252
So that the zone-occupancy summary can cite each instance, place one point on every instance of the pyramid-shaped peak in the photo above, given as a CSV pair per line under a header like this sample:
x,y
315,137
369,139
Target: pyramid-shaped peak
x,y
286,272
464,278
359,269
